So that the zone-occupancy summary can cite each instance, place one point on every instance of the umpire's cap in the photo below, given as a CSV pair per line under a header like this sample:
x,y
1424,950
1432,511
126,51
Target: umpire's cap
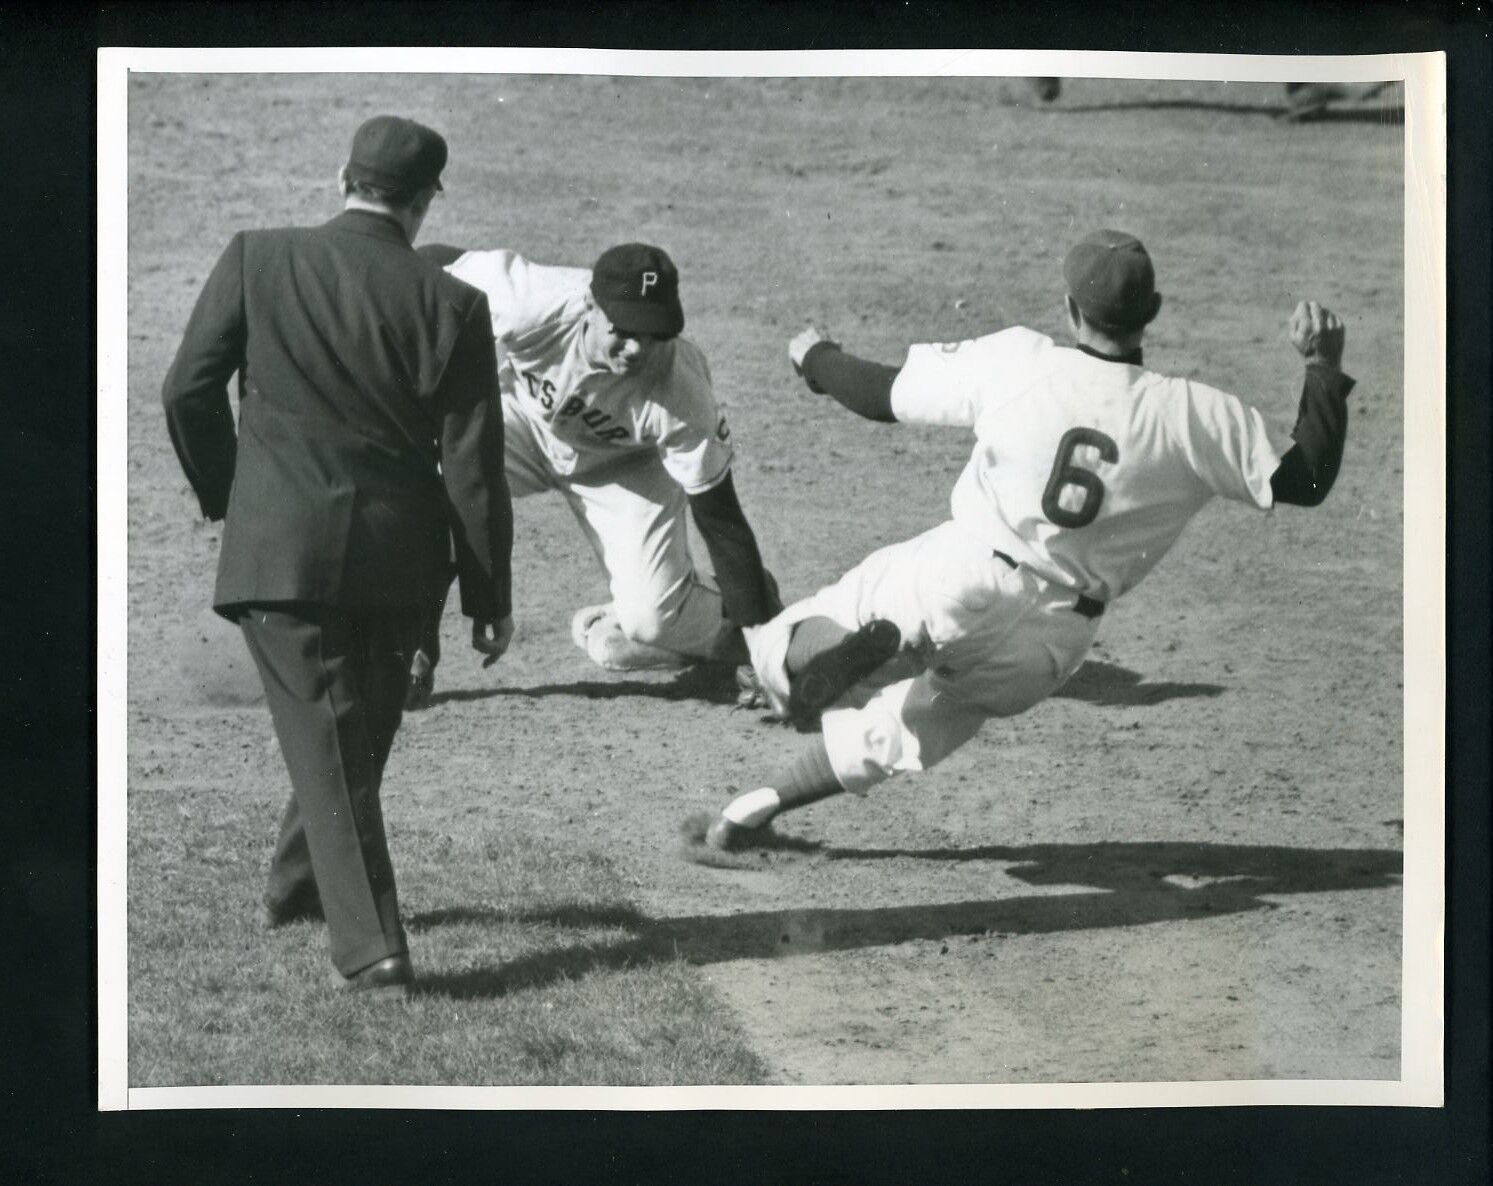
x,y
397,154
637,286
1110,278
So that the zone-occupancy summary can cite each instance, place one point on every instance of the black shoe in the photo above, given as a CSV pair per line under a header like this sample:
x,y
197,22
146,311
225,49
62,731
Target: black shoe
x,y
302,906
422,683
831,673
393,976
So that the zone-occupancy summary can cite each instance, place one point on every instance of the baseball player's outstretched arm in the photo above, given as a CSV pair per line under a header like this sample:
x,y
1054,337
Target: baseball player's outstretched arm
x,y
748,592
863,386
195,393
1310,467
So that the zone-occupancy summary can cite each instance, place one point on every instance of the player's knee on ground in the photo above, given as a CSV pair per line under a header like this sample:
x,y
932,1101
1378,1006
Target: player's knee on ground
x,y
643,620
682,617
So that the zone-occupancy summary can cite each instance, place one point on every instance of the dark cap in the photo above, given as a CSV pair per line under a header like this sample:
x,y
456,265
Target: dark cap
x,y
397,154
637,286
1111,280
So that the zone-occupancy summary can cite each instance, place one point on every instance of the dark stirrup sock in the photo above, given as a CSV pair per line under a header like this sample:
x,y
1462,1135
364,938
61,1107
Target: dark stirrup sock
x,y
810,638
808,779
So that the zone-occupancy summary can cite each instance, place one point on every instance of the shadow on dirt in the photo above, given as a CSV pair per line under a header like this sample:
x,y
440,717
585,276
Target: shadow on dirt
x,y
1110,685
1096,682
1133,884
711,684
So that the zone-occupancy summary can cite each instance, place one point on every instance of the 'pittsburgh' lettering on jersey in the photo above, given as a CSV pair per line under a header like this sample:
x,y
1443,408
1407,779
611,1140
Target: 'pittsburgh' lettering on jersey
x,y
583,415
1084,469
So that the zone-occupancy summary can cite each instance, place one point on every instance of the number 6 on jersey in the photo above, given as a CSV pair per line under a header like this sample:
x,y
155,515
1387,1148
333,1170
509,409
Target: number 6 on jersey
x,y
1067,474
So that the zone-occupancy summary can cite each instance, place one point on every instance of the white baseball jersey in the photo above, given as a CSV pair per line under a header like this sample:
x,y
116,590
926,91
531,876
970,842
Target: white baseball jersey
x,y
1085,470
584,415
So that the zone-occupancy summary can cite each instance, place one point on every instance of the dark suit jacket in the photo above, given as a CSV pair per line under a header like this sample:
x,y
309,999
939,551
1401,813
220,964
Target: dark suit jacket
x,y
370,436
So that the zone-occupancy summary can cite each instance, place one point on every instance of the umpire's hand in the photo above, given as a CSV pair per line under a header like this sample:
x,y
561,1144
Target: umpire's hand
x,y
492,638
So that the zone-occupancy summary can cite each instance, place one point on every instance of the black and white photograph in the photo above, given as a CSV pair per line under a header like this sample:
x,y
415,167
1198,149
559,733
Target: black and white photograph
x,y
667,581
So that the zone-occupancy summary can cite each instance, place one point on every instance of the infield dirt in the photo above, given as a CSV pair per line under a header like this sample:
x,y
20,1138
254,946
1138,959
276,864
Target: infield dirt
x,y
1185,866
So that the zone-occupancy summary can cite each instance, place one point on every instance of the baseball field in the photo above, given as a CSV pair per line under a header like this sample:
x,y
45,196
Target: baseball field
x,y
1185,866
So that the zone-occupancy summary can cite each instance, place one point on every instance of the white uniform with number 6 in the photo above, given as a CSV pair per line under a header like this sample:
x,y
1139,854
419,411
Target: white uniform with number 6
x,y
1084,473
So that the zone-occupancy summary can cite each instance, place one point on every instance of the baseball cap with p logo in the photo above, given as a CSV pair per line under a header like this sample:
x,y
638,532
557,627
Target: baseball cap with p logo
x,y
1110,278
397,154
637,287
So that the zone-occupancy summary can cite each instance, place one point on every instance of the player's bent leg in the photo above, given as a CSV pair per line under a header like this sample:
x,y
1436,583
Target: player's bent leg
x,y
825,661
683,615
905,727
635,518
885,587
601,636
783,655
908,725
767,651
743,821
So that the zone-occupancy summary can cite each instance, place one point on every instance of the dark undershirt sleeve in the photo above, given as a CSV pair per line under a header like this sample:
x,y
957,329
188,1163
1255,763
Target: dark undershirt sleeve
x,y
863,386
1310,467
749,594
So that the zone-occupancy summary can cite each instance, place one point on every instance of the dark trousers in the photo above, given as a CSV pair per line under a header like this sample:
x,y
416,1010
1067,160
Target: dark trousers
x,y
335,682
428,638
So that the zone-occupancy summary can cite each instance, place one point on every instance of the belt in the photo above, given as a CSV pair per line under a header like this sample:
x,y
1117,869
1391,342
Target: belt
x,y
1084,607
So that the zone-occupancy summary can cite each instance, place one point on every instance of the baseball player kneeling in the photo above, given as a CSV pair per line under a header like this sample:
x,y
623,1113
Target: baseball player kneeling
x,y
1086,468
605,403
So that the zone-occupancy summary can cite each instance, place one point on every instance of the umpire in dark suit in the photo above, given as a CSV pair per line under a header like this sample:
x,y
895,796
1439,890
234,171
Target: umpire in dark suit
x,y
369,451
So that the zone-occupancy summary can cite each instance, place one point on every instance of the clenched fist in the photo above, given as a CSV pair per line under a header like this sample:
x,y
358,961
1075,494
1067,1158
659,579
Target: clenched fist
x,y
1318,334
799,347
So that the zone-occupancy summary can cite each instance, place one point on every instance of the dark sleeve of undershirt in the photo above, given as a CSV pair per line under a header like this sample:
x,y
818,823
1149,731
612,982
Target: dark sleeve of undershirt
x,y
749,594
1309,468
440,254
862,386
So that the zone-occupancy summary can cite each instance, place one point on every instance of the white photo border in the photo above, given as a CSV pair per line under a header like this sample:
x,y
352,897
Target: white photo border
x,y
1423,951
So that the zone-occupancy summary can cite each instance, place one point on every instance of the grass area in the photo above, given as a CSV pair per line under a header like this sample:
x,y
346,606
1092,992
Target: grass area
x,y
500,924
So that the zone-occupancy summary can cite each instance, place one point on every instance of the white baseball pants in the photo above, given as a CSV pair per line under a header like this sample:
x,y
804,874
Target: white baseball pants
x,y
980,639
634,516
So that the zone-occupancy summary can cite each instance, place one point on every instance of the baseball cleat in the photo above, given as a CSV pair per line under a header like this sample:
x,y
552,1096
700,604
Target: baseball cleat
x,y
584,619
596,631
422,683
750,693
833,672
723,835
